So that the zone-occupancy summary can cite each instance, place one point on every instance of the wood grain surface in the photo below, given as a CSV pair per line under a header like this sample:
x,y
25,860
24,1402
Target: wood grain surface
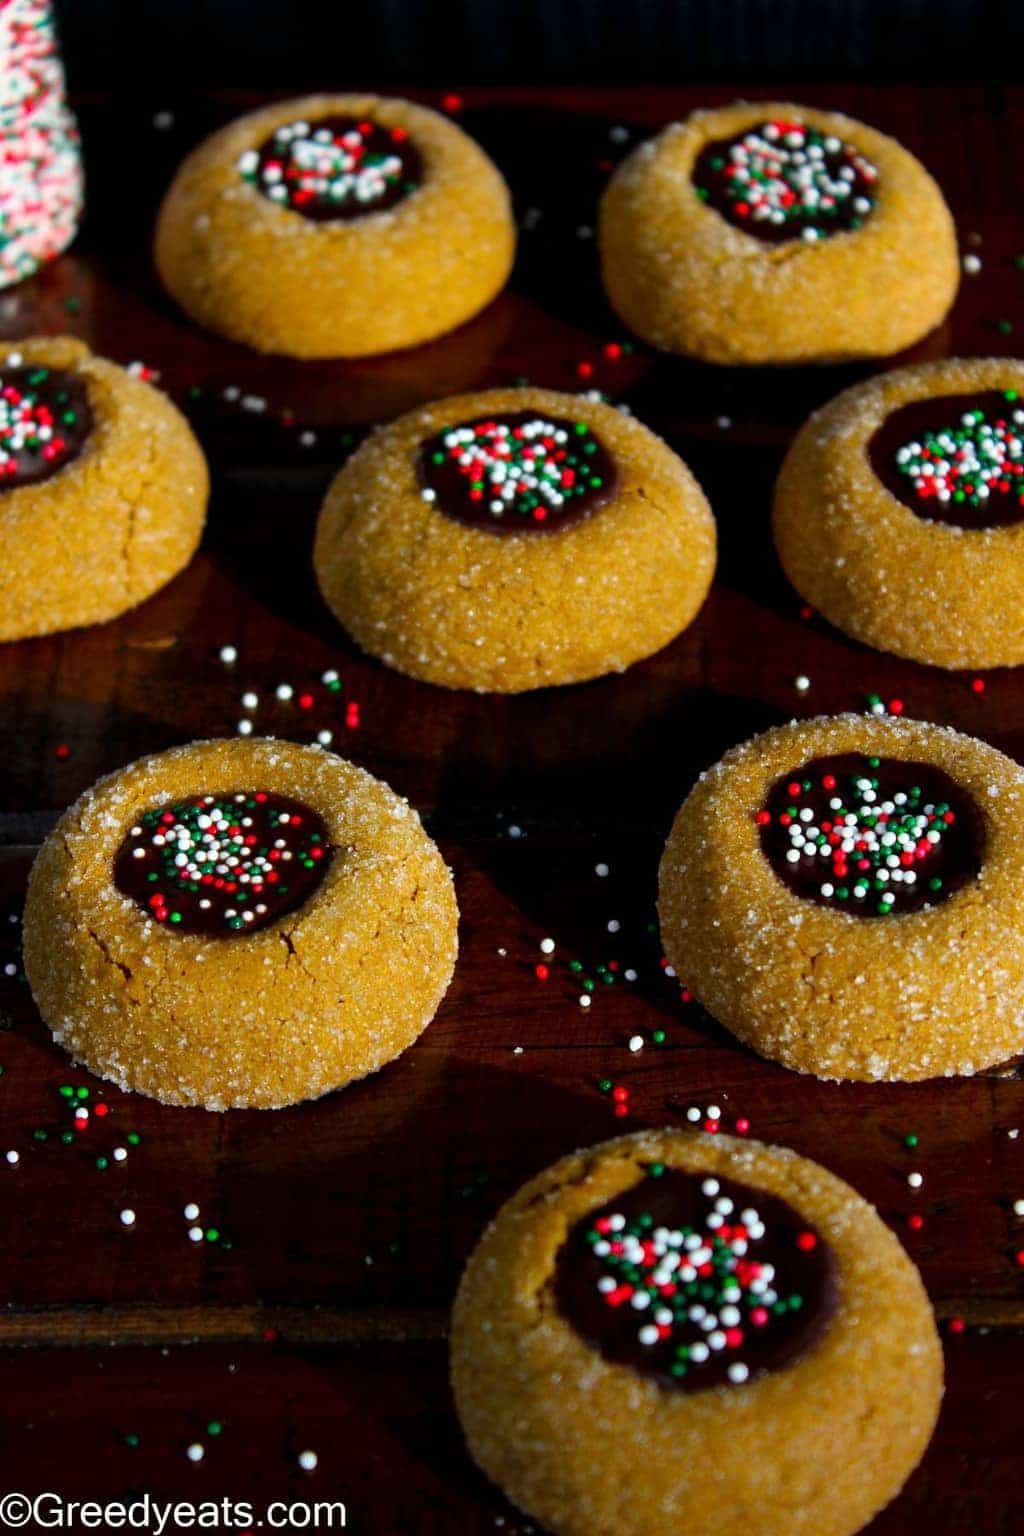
x,y
316,1317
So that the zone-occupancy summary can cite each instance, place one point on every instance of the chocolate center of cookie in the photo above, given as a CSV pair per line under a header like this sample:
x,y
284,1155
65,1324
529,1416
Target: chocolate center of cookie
x,y
517,472
786,181
874,836
223,864
696,1280
955,459
44,421
335,167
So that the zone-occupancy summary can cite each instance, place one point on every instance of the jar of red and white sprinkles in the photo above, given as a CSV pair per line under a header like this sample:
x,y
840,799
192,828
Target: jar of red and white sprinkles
x,y
40,156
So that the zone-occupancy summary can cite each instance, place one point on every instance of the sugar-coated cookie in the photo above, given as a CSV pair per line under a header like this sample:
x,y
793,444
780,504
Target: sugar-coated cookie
x,y
899,512
239,923
513,539
336,226
847,896
103,488
770,233
675,1332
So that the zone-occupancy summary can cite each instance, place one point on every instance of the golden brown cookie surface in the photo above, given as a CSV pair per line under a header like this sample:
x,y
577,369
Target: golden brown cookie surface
x,y
448,572
336,969
871,984
690,275
901,522
360,244
116,509
813,1446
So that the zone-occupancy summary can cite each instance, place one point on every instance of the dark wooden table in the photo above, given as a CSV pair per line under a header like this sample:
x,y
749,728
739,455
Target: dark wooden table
x,y
315,1319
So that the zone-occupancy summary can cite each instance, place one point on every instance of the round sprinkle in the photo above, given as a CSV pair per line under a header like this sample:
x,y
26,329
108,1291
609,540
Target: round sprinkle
x,y
127,1217
308,1461
191,1211
195,1452
228,655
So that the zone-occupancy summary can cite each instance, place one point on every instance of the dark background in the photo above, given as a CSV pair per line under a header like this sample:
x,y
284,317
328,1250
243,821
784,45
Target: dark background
x,y
167,48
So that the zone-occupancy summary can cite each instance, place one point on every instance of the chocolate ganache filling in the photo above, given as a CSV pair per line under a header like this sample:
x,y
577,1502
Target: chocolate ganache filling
x,y
223,864
786,181
955,459
697,1280
874,836
334,168
45,419
517,472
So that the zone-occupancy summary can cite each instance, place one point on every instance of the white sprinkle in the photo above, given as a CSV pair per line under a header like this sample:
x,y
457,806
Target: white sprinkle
x,y
738,1372
693,1114
250,700
308,1461
972,265
127,1217
163,120
325,738
228,655
191,1212
195,1234
195,1452
915,1180
244,727
584,999
284,691
120,1154
713,1112
636,1043
802,683
547,946
13,1157
1018,1207
601,870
